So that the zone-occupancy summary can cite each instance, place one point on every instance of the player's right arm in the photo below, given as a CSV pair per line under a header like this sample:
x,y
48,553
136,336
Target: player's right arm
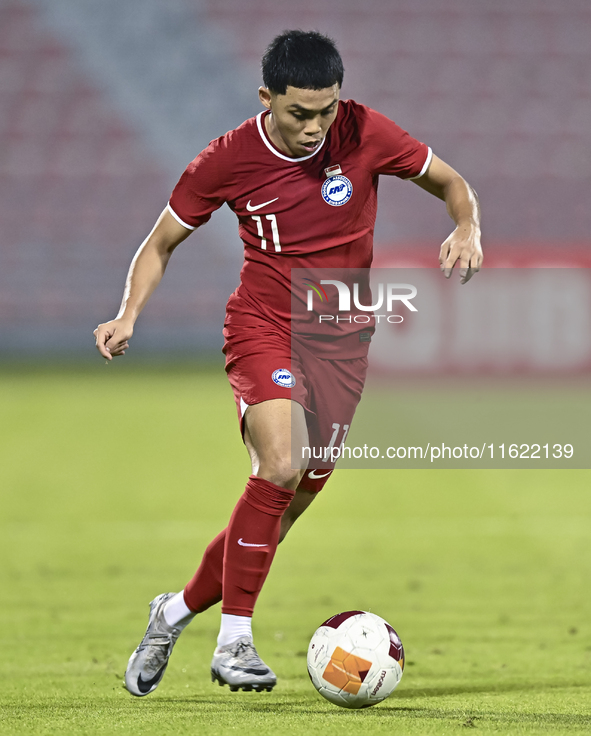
x,y
146,270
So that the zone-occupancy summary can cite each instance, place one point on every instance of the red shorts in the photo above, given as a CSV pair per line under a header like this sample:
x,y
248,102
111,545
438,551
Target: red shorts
x,y
260,366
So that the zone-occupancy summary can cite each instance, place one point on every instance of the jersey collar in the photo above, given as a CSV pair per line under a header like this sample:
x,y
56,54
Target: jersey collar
x,y
272,148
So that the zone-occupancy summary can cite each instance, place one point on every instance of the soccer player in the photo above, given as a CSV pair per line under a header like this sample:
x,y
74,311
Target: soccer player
x,y
302,179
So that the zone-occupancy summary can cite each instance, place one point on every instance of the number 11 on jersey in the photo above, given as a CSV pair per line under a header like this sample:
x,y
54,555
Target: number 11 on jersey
x,y
274,230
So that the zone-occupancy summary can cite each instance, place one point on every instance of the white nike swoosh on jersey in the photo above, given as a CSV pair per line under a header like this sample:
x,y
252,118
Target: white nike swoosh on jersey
x,y
254,207
314,475
248,544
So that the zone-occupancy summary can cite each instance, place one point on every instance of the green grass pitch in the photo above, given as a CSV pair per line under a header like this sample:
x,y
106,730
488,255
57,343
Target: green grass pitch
x,y
115,478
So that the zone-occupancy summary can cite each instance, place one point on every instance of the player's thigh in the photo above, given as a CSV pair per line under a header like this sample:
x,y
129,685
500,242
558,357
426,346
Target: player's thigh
x,y
274,433
336,388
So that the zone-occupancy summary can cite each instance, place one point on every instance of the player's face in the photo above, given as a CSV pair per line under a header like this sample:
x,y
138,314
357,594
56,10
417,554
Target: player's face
x,y
300,118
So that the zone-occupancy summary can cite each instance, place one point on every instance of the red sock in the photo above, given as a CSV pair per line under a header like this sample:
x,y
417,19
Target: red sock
x,y
205,587
251,541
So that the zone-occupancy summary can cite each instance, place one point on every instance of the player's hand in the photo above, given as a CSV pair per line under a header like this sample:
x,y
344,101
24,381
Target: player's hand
x,y
463,245
112,338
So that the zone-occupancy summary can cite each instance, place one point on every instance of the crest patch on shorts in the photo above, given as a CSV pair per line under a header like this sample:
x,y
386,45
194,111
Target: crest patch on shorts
x,y
284,378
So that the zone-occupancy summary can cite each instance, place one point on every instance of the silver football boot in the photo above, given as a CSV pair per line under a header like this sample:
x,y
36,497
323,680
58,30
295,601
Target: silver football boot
x,y
147,665
239,666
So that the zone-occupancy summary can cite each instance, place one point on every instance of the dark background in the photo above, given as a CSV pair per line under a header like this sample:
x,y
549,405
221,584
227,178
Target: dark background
x,y
103,103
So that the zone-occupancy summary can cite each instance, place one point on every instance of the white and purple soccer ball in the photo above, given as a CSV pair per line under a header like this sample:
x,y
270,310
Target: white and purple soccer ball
x,y
355,659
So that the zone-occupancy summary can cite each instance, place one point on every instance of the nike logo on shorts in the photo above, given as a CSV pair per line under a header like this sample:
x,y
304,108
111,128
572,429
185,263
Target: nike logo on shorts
x,y
248,544
314,475
254,207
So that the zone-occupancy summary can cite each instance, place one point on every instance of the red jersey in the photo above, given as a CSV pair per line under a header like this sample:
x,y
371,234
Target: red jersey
x,y
313,212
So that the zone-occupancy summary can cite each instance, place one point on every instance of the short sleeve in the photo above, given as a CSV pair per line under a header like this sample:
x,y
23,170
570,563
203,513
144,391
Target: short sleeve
x,y
391,150
203,186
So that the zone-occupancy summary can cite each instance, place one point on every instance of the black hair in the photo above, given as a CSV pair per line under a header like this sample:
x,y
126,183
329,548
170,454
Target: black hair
x,y
302,59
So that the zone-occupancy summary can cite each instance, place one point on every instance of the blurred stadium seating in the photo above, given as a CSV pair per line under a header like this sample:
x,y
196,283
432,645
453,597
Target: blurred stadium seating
x,y
102,103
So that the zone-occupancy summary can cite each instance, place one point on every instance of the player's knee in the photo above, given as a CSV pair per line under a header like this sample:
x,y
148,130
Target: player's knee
x,y
278,470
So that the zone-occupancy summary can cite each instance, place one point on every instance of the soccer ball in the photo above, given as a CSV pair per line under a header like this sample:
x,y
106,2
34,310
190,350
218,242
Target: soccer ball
x,y
355,659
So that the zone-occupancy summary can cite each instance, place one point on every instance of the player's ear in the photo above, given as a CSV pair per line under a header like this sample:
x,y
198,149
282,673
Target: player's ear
x,y
265,97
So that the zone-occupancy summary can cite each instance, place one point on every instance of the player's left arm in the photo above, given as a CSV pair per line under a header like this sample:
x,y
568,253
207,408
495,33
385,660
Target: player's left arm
x,y
462,204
